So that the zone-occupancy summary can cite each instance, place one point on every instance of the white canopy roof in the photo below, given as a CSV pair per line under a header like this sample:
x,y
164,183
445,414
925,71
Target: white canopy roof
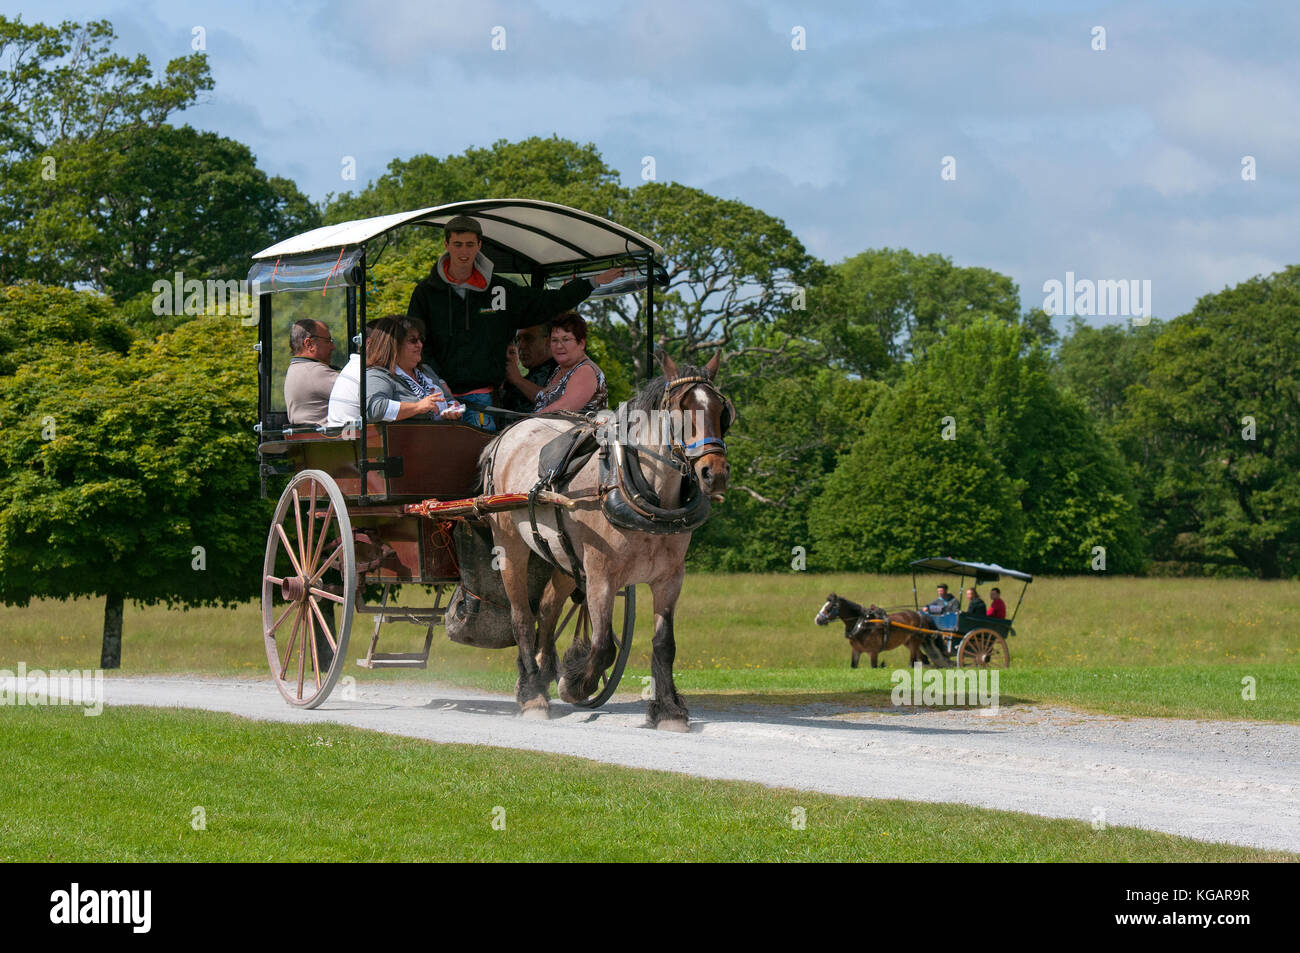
x,y
984,572
542,232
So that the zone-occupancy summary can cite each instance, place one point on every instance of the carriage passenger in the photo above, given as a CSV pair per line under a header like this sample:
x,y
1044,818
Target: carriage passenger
x,y
472,315
974,604
577,384
398,386
309,379
943,602
997,608
532,349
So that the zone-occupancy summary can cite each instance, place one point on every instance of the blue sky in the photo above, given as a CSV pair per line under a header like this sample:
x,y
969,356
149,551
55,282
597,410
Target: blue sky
x,y
1123,163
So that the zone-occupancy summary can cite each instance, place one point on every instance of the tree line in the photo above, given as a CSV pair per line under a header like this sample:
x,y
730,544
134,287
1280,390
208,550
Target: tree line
x,y
892,405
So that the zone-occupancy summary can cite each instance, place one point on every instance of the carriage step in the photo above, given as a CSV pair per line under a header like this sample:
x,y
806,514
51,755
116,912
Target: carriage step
x,y
395,660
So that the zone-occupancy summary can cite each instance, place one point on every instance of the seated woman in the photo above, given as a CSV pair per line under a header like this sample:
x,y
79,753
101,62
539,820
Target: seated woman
x,y
577,384
398,386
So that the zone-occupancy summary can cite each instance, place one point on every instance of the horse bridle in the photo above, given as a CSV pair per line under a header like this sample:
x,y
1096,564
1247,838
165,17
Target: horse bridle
x,y
687,452
834,613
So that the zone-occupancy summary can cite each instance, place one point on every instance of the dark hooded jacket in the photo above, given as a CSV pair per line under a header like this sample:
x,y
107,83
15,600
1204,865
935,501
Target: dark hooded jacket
x,y
466,338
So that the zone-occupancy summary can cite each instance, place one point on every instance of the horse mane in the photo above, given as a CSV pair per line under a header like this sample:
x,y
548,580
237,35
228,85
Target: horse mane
x,y
849,602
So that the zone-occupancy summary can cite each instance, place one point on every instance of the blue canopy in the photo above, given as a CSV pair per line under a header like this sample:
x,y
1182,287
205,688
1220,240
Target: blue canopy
x,y
983,572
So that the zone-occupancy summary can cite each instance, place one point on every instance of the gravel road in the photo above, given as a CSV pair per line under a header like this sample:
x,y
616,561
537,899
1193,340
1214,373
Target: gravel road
x,y
1216,781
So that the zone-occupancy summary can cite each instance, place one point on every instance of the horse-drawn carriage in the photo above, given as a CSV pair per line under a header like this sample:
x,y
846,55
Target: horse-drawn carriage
x,y
972,639
372,506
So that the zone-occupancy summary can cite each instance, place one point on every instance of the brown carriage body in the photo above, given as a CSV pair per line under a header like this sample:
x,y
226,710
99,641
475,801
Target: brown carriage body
x,y
407,462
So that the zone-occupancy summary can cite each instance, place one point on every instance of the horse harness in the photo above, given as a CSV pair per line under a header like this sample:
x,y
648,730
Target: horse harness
x,y
867,619
627,499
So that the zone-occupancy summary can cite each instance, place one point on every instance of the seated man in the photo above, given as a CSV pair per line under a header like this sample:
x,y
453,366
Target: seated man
x,y
997,608
532,348
974,604
943,603
310,378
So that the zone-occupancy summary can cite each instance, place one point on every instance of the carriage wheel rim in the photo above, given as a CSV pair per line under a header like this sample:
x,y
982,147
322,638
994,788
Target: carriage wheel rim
x,y
983,648
303,682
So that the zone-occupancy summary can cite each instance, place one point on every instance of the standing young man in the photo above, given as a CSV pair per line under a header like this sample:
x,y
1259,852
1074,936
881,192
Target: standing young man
x,y
471,316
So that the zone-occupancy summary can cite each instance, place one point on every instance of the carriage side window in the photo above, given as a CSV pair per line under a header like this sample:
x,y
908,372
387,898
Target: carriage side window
x,y
309,335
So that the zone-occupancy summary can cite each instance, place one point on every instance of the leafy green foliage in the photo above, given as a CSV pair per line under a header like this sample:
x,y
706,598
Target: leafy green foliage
x,y
884,305
903,492
791,432
732,271
1216,422
35,318
552,170
136,206
116,466
63,84
1099,364
95,187
1024,479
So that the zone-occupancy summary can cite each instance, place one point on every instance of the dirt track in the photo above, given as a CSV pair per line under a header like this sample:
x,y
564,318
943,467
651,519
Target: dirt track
x,y
1218,781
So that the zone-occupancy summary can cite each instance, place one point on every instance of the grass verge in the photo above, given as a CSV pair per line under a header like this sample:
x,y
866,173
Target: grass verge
x,y
127,786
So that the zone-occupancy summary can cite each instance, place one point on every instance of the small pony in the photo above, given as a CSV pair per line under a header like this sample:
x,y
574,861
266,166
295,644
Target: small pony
x,y
869,631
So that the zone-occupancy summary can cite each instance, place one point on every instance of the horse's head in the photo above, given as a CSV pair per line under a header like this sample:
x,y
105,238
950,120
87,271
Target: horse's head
x,y
709,413
829,612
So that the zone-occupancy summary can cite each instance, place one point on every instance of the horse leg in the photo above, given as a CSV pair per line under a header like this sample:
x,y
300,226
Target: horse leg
x,y
554,600
667,710
583,665
854,662
913,651
530,689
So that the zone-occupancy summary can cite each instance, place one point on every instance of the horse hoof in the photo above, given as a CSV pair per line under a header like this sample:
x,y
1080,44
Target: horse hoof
x,y
536,709
680,725
566,694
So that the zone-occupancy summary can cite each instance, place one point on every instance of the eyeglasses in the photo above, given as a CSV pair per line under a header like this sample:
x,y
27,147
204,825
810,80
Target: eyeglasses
x,y
564,340
317,337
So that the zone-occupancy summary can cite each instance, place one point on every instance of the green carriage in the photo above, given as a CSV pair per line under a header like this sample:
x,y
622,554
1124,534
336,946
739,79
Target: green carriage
x,y
973,640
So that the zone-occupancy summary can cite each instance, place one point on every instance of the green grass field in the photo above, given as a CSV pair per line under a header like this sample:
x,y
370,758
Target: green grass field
x,y
1164,647
124,786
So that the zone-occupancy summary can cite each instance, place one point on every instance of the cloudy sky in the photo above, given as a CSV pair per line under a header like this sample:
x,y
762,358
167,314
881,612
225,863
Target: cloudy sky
x,y
1117,163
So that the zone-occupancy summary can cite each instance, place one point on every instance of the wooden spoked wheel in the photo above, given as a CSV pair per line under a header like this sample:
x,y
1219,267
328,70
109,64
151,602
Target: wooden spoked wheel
x,y
983,648
575,625
309,588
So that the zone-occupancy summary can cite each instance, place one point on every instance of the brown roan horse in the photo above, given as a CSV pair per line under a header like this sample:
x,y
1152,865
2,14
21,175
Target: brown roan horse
x,y
610,557
870,631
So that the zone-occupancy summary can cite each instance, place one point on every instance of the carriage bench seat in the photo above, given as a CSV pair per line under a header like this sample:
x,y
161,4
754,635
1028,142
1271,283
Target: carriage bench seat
x,y
407,461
